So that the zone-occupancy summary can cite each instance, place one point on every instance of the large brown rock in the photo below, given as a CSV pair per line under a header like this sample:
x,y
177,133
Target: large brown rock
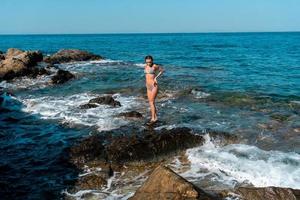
x,y
165,184
19,63
71,55
267,193
11,52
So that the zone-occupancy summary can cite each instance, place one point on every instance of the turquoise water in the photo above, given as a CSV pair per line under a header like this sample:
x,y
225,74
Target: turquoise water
x,y
247,84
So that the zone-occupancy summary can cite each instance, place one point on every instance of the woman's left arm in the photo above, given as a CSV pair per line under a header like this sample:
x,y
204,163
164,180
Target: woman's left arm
x,y
161,70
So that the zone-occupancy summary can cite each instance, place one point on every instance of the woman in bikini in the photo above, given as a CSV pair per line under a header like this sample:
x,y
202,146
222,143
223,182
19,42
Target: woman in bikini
x,y
151,84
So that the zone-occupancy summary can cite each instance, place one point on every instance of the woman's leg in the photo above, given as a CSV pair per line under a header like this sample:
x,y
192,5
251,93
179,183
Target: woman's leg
x,y
152,96
151,103
154,93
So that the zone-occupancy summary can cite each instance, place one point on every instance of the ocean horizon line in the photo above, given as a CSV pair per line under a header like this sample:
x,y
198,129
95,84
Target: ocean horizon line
x,y
148,33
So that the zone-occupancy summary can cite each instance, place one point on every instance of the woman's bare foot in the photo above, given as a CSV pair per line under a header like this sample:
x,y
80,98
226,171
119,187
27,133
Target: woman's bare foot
x,y
153,120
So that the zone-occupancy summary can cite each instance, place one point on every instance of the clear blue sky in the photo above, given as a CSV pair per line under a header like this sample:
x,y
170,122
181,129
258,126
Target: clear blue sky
x,y
123,16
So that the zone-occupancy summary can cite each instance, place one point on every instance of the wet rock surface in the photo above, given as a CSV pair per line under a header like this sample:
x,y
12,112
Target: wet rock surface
x,y
140,146
131,114
90,182
62,76
103,100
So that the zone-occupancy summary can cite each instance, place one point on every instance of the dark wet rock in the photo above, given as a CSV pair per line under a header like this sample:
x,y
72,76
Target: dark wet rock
x,y
2,101
222,137
18,63
265,193
91,182
88,106
104,100
71,55
143,146
2,56
151,146
11,120
38,72
280,117
107,100
164,183
62,76
131,114
89,149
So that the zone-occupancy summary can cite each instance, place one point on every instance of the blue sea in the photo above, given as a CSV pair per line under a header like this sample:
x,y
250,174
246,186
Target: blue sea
x,y
246,84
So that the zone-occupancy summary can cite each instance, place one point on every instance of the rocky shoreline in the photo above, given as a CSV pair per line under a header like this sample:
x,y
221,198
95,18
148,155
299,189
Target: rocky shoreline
x,y
151,151
18,63
128,150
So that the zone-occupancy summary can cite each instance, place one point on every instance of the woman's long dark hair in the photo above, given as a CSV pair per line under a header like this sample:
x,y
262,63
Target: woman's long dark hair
x,y
149,57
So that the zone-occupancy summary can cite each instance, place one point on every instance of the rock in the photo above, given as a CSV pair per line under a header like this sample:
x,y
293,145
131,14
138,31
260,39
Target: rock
x,y
88,106
2,57
71,55
91,182
280,117
144,146
18,63
151,145
62,76
91,148
164,184
265,193
107,100
38,72
13,52
131,114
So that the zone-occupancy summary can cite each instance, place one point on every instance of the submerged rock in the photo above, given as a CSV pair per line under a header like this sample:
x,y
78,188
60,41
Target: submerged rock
x,y
71,55
62,76
131,114
164,183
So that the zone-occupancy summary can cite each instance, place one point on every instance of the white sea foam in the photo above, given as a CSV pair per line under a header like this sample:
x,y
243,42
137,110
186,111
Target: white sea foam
x,y
239,163
66,109
200,94
27,83
140,64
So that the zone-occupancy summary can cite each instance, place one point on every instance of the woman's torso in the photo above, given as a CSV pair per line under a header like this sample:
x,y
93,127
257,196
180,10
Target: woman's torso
x,y
150,74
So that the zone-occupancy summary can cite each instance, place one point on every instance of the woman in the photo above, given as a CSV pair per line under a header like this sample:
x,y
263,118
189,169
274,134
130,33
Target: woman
x,y
151,85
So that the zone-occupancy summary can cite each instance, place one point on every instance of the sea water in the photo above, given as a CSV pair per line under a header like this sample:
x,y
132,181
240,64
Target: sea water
x,y
246,84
